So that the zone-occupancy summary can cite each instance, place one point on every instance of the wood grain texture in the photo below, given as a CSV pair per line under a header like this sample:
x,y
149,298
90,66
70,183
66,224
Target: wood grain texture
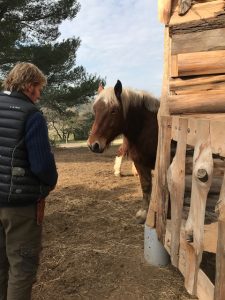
x,y
204,102
198,25
220,255
198,11
205,288
163,111
163,165
176,185
198,63
164,10
201,182
208,40
194,83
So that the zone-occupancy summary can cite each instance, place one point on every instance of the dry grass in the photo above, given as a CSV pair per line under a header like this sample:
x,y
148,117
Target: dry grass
x,y
92,248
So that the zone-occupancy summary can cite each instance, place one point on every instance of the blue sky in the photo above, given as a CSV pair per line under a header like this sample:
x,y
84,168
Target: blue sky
x,y
120,39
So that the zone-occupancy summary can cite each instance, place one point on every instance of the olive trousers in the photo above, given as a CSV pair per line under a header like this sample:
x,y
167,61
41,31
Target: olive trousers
x,y
20,247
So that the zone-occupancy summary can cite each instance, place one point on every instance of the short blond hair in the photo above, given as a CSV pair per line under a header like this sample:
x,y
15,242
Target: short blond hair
x,y
22,75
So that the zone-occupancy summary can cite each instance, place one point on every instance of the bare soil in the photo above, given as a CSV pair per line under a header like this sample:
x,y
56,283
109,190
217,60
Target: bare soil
x,y
92,246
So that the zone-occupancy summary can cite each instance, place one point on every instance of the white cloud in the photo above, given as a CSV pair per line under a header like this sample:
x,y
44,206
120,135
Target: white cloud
x,y
120,39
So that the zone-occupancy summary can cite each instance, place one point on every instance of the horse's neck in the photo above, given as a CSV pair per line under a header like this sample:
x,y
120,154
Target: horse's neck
x,y
142,136
136,120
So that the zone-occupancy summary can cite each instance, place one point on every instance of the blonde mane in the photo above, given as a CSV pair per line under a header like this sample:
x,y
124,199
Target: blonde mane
x,y
129,98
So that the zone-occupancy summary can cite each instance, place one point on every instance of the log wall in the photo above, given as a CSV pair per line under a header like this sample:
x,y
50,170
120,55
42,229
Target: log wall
x,y
192,113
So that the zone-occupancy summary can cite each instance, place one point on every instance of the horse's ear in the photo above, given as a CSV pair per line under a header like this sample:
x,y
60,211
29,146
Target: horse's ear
x,y
118,89
100,88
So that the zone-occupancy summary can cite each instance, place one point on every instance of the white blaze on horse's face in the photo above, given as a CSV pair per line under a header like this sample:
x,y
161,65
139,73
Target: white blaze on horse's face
x,y
108,121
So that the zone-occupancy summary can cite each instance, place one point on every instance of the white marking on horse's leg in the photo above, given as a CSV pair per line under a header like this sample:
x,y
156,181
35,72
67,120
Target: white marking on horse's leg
x,y
117,165
134,170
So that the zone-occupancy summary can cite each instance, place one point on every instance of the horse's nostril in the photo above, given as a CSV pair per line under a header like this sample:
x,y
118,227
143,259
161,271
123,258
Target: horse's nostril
x,y
96,147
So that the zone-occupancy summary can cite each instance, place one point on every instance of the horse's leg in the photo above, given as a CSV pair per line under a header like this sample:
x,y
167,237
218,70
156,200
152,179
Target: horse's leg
x,y
117,165
133,169
121,152
146,186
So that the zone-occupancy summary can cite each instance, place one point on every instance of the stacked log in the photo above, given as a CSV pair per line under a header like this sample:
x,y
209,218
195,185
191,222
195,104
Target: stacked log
x,y
197,69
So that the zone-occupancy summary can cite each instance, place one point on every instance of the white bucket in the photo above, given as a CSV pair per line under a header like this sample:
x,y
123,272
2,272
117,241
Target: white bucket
x,y
154,252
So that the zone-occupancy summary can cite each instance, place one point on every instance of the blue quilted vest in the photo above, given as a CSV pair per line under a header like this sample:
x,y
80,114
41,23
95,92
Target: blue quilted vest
x,y
18,185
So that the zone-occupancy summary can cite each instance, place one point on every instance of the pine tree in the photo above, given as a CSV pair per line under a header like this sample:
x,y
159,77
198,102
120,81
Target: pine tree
x,y
29,31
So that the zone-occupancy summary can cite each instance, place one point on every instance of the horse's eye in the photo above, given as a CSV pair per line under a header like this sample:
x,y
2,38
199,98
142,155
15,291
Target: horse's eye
x,y
113,112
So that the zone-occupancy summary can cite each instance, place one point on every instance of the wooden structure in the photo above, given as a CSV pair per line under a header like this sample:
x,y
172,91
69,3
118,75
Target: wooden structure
x,y
192,113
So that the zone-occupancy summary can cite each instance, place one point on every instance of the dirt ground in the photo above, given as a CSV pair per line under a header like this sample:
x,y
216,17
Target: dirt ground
x,y
92,247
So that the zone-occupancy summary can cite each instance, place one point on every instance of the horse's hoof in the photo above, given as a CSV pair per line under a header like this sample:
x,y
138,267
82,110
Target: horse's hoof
x,y
141,216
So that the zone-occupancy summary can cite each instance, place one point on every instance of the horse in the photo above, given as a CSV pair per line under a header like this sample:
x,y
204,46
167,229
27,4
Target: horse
x,y
121,153
132,113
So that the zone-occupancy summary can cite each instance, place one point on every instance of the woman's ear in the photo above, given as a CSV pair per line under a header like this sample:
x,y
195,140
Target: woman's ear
x,y
28,88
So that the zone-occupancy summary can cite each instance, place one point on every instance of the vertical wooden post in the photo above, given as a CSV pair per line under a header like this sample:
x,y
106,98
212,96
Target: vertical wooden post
x,y
163,111
164,140
163,165
164,10
220,254
176,185
164,108
201,181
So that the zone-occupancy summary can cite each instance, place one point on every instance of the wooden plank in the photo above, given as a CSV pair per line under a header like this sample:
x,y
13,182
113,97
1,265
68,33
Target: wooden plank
x,y
198,25
214,189
209,40
174,66
163,165
201,182
205,102
164,10
163,111
186,82
217,134
210,236
205,288
217,124
204,116
220,255
200,88
219,165
199,63
199,11
176,185
174,127
192,129
207,116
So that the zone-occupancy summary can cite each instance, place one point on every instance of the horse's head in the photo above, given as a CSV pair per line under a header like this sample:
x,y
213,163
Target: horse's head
x,y
108,121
